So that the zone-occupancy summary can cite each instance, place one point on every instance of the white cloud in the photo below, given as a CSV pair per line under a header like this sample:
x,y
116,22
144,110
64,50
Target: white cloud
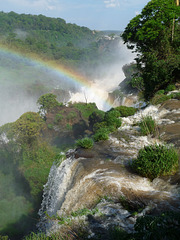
x,y
111,3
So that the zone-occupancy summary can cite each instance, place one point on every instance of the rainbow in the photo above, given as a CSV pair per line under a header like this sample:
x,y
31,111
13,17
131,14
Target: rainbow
x,y
61,70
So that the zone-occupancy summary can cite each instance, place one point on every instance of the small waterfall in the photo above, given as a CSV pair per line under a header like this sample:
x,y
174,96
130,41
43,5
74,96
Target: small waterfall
x,y
59,181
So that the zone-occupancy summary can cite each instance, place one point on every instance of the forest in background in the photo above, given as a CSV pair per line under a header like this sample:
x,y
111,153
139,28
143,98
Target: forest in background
x,y
52,39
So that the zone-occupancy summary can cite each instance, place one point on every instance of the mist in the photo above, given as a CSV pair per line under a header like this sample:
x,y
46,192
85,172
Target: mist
x,y
106,77
22,82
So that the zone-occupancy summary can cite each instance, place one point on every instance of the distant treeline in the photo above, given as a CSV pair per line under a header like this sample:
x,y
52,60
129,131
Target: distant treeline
x,y
56,30
52,38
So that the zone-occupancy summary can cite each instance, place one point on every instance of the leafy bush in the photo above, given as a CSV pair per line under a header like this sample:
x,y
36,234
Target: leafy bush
x,y
160,92
170,87
85,108
85,143
156,160
101,134
126,111
96,117
46,102
28,127
112,118
147,125
99,125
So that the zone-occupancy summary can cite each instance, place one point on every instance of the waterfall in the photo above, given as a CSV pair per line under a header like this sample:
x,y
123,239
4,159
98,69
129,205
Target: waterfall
x,y
59,181
109,78
78,182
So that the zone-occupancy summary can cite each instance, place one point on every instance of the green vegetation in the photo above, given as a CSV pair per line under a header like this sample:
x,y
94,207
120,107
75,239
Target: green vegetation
x,y
28,127
35,164
58,118
69,127
85,143
101,134
25,163
102,123
96,117
147,125
47,102
69,218
50,126
112,119
86,109
163,226
170,87
71,116
133,206
55,40
43,236
4,237
60,158
154,33
26,159
126,111
160,97
156,160
116,233
52,37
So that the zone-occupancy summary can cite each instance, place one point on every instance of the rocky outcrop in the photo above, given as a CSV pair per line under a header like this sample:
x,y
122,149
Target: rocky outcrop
x,y
100,178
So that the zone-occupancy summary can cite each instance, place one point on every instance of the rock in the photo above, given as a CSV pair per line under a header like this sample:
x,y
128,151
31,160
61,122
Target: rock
x,y
170,133
171,104
84,153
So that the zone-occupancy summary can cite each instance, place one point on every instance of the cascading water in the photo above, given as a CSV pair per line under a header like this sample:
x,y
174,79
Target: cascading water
x,y
79,181
113,75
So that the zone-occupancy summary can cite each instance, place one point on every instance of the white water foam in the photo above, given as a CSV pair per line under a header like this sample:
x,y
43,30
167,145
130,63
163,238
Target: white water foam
x,y
100,87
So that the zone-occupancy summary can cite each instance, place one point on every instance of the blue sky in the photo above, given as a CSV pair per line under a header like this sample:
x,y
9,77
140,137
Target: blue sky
x,y
94,14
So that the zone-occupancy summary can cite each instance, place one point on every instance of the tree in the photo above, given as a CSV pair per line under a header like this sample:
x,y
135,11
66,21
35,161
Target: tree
x,y
28,127
46,102
150,35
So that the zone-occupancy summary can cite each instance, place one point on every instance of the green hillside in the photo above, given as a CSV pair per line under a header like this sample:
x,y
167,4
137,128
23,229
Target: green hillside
x,y
52,38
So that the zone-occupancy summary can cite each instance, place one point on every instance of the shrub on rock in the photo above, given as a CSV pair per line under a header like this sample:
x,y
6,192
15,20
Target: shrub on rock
x,y
85,143
156,160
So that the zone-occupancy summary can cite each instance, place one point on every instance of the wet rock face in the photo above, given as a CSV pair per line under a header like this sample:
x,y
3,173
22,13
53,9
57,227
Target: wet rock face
x,y
170,132
172,104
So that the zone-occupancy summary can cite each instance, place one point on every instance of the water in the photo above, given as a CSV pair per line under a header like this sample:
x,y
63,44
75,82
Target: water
x,y
79,183
27,80
112,76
